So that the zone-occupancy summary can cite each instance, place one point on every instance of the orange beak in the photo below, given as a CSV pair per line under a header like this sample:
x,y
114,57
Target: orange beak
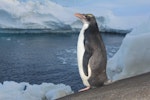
x,y
81,16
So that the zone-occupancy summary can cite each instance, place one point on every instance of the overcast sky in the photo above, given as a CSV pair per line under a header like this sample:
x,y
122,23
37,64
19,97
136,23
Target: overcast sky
x,y
118,7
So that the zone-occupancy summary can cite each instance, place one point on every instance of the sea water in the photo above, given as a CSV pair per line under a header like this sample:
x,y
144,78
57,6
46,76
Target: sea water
x,y
38,58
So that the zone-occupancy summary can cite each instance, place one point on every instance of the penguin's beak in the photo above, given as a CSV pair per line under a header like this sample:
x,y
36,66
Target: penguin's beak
x,y
80,16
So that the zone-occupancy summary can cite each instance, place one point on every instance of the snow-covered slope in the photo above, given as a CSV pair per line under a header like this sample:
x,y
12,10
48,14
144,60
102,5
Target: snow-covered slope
x,y
33,14
10,90
133,57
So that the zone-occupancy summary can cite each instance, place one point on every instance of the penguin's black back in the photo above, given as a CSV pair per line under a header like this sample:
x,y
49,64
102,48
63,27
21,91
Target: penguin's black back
x,y
94,55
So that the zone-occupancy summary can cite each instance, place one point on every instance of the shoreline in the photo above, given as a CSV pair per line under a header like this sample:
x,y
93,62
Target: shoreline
x,y
50,31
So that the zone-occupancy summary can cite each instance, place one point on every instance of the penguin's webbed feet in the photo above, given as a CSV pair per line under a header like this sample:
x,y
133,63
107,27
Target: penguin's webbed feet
x,y
85,89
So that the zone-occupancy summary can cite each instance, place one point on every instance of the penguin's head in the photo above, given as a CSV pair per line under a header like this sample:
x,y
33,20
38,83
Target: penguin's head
x,y
86,18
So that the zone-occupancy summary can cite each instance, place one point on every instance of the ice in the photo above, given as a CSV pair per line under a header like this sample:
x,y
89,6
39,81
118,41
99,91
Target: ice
x,y
33,14
107,24
10,90
47,14
109,21
60,91
67,56
133,57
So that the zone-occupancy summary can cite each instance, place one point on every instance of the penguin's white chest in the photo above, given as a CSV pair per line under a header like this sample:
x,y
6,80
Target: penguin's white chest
x,y
80,54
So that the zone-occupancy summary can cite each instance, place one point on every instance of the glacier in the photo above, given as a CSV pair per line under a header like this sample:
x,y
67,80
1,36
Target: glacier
x,y
133,57
103,27
46,14
33,15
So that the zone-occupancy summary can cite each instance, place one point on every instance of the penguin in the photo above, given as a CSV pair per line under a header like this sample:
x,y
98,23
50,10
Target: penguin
x,y
91,53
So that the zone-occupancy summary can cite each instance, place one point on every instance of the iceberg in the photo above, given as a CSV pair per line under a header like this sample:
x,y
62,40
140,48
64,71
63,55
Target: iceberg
x,y
133,57
103,26
34,15
46,14
10,90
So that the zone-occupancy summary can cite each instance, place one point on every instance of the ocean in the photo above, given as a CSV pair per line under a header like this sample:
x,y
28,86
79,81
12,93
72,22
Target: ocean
x,y
52,58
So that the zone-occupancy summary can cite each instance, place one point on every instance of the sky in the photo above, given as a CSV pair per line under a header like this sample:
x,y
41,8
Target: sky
x,y
127,13
118,7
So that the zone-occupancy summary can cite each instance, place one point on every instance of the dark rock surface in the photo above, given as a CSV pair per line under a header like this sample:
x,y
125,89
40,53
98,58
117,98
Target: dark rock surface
x,y
135,88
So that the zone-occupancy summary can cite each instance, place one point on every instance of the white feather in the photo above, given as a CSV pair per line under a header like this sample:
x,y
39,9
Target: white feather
x,y
80,53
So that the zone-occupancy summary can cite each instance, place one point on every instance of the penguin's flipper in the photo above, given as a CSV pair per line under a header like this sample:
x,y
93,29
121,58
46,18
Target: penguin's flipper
x,y
86,58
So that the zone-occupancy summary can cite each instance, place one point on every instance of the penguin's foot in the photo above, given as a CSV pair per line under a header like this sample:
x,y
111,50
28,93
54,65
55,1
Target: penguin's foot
x,y
85,89
108,82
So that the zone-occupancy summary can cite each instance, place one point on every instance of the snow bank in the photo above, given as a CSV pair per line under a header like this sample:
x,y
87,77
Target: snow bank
x,y
133,57
10,90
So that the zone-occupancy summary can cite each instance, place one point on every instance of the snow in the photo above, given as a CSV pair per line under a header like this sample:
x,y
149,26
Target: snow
x,y
48,14
77,25
10,90
133,57
109,22
122,22
103,26
33,14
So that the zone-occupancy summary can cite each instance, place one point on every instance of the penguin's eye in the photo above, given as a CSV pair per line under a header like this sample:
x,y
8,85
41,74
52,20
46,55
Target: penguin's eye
x,y
88,18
